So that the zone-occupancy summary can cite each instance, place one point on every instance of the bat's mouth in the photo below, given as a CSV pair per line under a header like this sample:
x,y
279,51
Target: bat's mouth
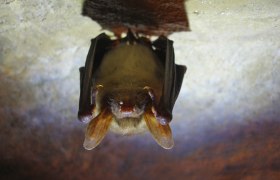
x,y
122,112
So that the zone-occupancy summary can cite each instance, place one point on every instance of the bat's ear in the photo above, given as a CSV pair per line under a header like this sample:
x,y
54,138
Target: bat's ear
x,y
161,133
97,129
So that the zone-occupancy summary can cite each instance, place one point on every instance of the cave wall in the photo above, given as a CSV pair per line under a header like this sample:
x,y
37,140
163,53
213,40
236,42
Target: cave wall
x,y
226,120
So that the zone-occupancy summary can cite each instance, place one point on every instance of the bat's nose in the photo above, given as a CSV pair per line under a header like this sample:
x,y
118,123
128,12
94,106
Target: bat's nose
x,y
128,109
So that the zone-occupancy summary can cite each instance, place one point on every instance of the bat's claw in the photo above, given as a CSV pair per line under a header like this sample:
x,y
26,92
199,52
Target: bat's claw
x,y
85,117
162,116
162,120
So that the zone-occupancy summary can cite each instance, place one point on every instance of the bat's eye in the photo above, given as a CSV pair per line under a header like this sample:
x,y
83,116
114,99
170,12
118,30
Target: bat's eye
x,y
120,106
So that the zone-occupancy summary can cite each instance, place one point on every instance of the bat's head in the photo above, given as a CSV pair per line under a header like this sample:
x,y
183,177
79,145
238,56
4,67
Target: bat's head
x,y
127,112
128,107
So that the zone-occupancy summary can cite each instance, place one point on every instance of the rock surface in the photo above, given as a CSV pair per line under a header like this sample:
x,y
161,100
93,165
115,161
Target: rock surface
x,y
161,17
226,120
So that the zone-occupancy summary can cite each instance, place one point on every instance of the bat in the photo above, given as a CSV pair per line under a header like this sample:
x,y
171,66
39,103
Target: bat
x,y
129,86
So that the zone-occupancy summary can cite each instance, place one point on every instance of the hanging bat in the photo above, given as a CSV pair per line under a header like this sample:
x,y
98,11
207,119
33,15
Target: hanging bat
x,y
129,85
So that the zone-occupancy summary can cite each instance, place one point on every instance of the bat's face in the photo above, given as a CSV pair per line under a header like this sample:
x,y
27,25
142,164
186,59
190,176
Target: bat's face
x,y
128,107
129,89
128,103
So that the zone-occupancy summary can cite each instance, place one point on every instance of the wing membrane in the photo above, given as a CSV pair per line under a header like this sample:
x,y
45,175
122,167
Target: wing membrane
x,y
99,46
